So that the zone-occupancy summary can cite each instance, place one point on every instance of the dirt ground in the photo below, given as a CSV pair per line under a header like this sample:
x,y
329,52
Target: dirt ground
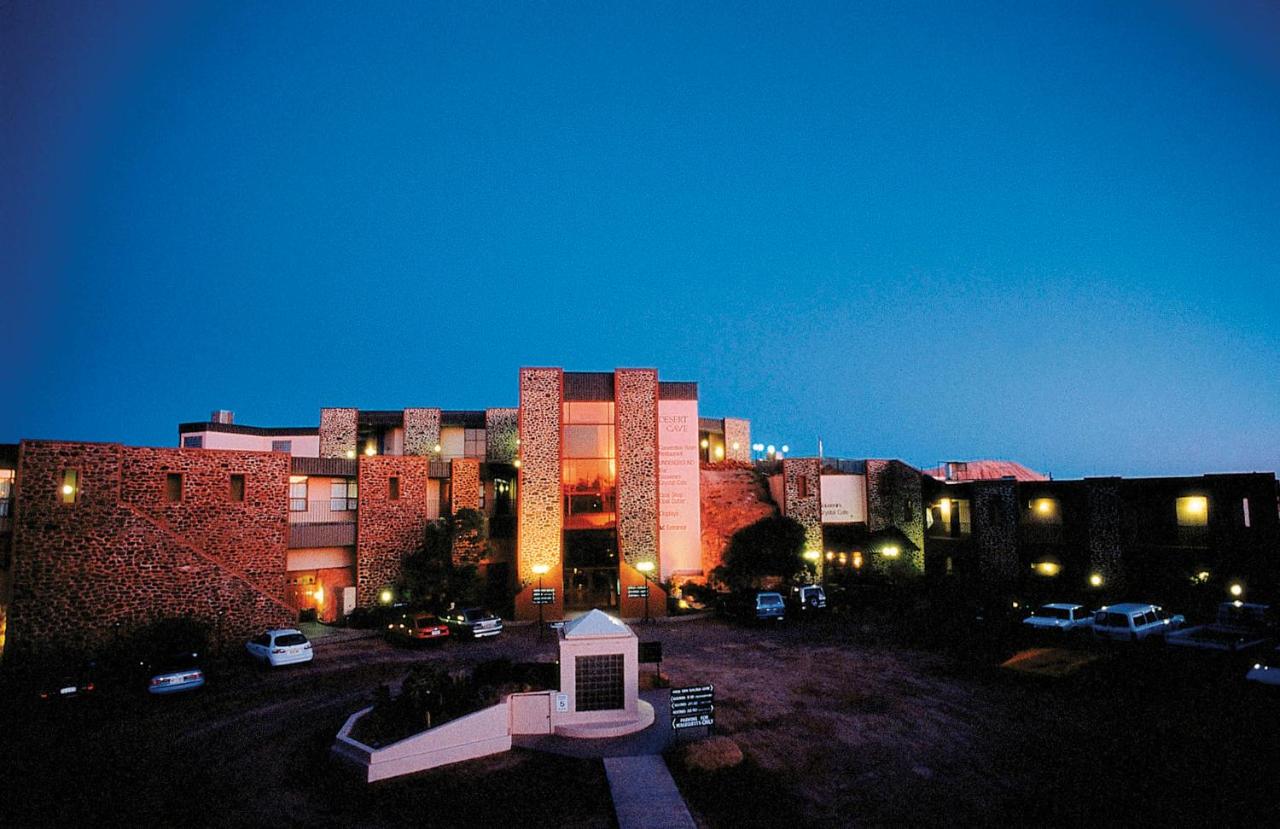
x,y
843,721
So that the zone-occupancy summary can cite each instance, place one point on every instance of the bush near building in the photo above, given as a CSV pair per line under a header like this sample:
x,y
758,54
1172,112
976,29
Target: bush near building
x,y
771,548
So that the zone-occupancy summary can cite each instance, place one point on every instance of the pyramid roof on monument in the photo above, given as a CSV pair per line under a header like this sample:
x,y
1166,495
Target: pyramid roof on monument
x,y
595,623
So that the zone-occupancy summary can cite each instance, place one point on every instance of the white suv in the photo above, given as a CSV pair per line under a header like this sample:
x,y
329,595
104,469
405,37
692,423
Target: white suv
x,y
1059,617
1132,621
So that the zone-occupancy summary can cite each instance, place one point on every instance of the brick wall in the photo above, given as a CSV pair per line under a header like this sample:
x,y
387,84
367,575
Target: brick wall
x,y
122,554
389,529
995,531
465,476
540,511
636,426
338,431
802,475
1103,528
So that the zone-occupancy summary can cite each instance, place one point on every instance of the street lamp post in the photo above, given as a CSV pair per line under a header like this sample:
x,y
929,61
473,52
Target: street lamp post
x,y
541,570
645,568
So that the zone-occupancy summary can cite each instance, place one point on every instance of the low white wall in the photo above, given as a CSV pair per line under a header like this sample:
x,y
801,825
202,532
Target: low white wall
x,y
475,735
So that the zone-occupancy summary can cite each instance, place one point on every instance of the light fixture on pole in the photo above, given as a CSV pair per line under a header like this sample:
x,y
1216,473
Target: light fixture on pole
x,y
645,568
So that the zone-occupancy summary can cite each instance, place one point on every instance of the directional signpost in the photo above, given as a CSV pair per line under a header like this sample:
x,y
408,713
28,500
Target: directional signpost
x,y
544,595
693,707
638,592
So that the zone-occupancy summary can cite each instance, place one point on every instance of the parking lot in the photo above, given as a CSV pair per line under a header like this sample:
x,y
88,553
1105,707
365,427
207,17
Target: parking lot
x,y
865,718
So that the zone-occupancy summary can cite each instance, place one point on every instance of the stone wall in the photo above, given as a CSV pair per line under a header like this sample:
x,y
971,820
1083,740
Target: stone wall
x,y
732,498
895,499
389,529
502,434
737,433
636,427
1103,523
995,531
338,431
122,555
540,510
421,431
465,476
802,495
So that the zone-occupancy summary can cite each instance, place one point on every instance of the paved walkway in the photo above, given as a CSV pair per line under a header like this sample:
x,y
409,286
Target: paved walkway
x,y
644,795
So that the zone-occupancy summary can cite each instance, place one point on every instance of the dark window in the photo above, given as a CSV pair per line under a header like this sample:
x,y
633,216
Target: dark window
x,y
598,682
290,639
393,488
802,486
193,442
69,489
173,486
237,487
907,512
281,446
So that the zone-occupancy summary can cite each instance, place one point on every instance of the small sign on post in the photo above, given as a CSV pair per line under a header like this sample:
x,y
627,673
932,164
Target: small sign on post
x,y
637,591
693,707
544,595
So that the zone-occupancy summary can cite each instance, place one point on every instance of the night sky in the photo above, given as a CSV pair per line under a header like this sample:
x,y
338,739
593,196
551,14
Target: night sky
x,y
1044,232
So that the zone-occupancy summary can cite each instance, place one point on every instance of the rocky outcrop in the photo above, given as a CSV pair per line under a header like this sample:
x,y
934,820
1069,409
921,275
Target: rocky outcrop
x,y
732,498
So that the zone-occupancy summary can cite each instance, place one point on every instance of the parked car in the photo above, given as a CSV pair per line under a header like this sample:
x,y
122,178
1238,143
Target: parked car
x,y
282,646
475,622
1134,621
417,626
1266,673
75,681
1239,627
1059,617
809,598
755,606
173,673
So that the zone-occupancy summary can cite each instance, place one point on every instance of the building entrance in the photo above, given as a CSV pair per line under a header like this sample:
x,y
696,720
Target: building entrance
x,y
590,569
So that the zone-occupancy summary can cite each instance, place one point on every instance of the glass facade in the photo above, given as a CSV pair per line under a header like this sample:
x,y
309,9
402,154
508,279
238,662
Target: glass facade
x,y
589,472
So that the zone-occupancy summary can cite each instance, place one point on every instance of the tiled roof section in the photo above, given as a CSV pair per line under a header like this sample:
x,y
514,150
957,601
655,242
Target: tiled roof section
x,y
595,386
985,470
392,417
237,429
713,425
466,419
677,391
337,467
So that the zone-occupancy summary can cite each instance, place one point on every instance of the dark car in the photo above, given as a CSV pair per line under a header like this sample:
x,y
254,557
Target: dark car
x,y
75,681
475,622
809,598
755,606
417,626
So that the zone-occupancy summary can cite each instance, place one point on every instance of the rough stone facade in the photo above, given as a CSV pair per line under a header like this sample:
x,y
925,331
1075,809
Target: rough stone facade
x,y
421,431
465,475
502,435
737,439
732,498
995,531
1103,523
540,508
123,554
801,488
636,427
389,529
338,431
895,499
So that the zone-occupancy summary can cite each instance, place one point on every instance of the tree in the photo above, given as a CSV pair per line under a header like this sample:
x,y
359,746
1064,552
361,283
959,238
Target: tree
x,y
430,577
771,547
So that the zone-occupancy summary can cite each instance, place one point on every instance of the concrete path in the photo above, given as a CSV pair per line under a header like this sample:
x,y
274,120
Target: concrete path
x,y
644,795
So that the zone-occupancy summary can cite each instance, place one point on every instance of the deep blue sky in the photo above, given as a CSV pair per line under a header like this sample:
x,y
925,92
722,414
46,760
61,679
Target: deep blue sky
x,y
1041,231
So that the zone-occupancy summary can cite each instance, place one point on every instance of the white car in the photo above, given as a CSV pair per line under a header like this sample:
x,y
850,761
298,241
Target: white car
x,y
283,646
1131,621
1059,617
1266,674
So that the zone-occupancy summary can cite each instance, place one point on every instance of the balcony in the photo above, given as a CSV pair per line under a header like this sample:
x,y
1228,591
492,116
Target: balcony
x,y
323,522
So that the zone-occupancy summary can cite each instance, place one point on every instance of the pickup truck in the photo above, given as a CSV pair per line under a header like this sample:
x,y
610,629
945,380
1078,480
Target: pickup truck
x,y
1239,627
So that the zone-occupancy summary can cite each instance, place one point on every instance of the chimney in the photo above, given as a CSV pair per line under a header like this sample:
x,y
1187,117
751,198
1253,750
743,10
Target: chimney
x,y
222,416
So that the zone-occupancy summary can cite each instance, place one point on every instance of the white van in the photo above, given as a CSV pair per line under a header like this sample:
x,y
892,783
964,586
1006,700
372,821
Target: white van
x,y
1130,621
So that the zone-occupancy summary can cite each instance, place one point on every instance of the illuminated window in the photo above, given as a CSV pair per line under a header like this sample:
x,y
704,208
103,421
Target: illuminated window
x,y
393,488
6,491
589,469
1044,511
343,495
1193,511
69,489
297,493
173,487
949,518
237,487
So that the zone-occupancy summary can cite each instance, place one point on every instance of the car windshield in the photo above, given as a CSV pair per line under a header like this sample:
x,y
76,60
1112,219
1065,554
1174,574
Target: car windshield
x,y
427,621
289,639
769,600
475,614
1047,612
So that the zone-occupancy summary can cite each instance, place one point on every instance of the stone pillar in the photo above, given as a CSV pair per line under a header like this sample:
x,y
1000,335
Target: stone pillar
x,y
539,508
802,500
465,475
737,439
501,435
421,431
895,498
338,430
636,429
1106,557
995,531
